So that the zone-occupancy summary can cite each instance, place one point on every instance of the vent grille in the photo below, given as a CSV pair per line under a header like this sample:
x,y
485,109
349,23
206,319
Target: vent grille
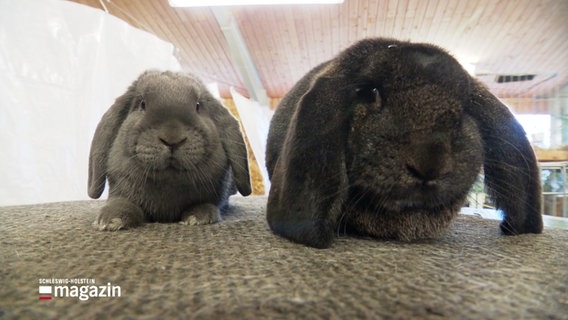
x,y
514,78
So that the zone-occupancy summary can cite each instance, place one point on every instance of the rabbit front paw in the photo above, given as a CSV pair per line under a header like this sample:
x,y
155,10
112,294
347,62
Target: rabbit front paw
x,y
206,213
119,214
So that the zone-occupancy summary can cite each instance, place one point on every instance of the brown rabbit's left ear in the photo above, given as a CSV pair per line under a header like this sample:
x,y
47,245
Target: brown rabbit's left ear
x,y
511,169
309,181
234,145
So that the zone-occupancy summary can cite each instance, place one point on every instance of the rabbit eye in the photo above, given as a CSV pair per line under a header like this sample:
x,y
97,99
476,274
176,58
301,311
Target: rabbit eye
x,y
197,106
368,94
142,105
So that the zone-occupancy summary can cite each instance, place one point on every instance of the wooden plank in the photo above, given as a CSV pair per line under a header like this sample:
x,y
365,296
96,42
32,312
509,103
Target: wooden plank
x,y
506,36
547,155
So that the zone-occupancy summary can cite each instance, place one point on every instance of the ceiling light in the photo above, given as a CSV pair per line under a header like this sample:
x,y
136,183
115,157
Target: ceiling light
x,y
216,3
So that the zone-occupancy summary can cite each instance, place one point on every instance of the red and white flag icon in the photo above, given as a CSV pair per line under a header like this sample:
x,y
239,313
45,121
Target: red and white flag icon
x,y
44,292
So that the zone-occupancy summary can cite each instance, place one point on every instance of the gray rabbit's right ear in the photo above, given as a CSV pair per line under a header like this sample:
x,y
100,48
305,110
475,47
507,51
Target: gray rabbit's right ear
x,y
235,148
309,181
106,132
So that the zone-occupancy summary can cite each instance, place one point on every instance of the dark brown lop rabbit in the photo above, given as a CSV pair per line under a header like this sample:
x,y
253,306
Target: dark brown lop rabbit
x,y
385,140
170,151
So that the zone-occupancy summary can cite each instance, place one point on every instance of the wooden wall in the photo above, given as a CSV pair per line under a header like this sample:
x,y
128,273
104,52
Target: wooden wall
x,y
525,105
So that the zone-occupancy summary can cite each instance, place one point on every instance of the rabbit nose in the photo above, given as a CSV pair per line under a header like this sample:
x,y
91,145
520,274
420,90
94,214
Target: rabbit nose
x,y
172,145
426,173
429,162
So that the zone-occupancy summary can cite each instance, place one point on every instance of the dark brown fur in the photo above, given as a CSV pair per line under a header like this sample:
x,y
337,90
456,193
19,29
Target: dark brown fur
x,y
386,140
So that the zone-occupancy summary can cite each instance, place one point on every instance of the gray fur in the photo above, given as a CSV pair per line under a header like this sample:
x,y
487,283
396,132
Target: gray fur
x,y
171,153
385,140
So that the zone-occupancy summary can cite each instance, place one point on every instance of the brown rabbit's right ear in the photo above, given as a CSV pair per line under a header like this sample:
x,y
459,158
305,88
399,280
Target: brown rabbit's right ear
x,y
510,165
309,182
106,132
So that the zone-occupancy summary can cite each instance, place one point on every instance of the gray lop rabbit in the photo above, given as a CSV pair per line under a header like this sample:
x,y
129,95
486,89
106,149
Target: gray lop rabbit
x,y
385,140
171,153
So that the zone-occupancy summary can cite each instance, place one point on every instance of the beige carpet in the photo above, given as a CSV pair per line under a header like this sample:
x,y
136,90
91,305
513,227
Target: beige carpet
x,y
237,269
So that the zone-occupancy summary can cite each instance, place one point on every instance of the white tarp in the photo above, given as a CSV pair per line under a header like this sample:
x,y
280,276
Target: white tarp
x,y
61,66
256,122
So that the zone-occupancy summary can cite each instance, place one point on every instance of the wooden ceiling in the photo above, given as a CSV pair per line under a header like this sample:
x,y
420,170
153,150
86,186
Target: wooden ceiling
x,y
505,37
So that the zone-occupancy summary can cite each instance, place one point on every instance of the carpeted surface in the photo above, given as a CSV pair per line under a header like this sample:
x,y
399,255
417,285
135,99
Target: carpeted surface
x,y
238,269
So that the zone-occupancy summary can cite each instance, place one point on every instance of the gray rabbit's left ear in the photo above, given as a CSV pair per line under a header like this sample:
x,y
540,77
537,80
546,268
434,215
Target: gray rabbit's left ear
x,y
511,169
234,145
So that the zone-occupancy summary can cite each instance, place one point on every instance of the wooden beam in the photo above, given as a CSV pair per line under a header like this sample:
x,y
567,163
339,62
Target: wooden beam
x,y
241,55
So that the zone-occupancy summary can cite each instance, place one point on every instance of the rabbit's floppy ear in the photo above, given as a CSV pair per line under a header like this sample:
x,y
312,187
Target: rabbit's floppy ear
x,y
103,139
510,166
309,181
235,148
